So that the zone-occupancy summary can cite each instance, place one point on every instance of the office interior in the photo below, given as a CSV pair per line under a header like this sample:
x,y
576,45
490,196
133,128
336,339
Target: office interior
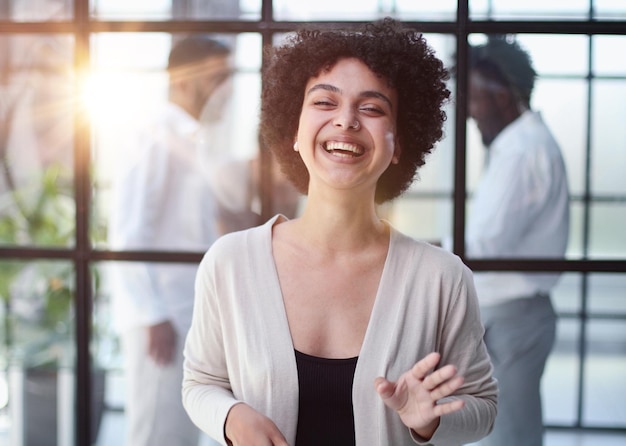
x,y
76,76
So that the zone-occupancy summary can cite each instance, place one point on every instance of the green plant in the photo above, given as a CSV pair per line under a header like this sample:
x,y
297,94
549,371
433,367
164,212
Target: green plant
x,y
37,296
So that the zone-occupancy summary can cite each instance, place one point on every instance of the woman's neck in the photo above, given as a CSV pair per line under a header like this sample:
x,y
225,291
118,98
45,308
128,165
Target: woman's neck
x,y
341,228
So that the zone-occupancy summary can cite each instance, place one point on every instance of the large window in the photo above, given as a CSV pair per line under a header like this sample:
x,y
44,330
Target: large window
x,y
77,77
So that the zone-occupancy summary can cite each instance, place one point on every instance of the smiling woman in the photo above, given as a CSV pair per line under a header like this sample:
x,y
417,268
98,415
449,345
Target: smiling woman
x,y
370,330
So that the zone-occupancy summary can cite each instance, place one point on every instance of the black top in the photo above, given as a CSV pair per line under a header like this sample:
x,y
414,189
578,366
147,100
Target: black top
x,y
325,414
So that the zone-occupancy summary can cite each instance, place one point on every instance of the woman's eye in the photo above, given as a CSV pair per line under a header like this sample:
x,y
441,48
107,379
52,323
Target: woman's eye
x,y
323,103
372,110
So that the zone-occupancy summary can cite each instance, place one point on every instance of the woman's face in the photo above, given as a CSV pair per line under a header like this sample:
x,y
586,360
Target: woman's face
x,y
347,130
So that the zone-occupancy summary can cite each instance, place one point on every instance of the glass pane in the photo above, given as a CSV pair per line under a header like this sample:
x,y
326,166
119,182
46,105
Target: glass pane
x,y
176,10
560,90
605,49
573,53
566,296
328,10
563,105
36,140
421,218
510,112
607,238
529,9
36,10
475,156
411,10
131,297
37,360
224,143
606,294
576,231
605,368
609,138
106,366
437,175
609,9
559,384
365,10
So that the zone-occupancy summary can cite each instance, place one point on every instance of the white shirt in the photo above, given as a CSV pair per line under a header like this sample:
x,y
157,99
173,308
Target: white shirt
x,y
161,201
520,209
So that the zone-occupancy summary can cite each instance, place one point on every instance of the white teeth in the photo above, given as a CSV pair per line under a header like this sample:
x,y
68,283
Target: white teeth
x,y
344,147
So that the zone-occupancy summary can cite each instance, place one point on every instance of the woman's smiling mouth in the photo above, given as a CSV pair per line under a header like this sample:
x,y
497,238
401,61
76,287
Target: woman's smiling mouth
x,y
343,149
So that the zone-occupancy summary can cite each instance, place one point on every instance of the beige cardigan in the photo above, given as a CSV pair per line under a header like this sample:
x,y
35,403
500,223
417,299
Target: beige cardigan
x,y
239,346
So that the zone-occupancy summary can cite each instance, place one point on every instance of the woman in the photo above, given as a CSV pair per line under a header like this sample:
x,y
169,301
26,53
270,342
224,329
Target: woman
x,y
333,328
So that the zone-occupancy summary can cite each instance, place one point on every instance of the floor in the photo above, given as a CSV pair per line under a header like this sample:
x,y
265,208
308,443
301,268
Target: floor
x,y
113,425
112,430
605,404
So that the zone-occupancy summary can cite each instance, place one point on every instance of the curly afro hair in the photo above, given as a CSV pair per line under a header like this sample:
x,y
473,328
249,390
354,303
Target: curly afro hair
x,y
397,54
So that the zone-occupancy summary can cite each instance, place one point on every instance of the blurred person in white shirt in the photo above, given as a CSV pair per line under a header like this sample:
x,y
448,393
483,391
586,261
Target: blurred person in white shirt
x,y
162,200
520,209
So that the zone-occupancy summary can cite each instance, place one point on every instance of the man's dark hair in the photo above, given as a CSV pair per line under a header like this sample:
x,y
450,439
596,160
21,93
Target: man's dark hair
x,y
504,61
193,49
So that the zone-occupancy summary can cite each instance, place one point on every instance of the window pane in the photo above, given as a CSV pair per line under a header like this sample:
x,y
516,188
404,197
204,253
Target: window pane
x,y
608,113
37,137
608,238
609,9
421,218
529,9
425,211
605,368
119,76
605,51
576,231
106,364
572,51
38,354
566,295
563,105
36,10
437,174
364,10
176,10
411,10
326,10
607,294
559,384
560,90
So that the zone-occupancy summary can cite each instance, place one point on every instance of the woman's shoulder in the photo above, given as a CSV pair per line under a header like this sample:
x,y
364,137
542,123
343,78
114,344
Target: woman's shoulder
x,y
427,253
237,244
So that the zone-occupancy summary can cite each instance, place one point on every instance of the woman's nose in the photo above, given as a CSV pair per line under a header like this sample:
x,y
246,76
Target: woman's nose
x,y
346,119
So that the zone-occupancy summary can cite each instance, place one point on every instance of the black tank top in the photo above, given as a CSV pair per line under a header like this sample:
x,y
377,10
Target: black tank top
x,y
325,415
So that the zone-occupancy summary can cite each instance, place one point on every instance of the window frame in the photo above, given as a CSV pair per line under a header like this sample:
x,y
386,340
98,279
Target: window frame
x,y
84,256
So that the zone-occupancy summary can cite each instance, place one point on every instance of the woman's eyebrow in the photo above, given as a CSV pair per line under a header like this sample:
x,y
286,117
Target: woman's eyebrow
x,y
378,95
326,87
365,94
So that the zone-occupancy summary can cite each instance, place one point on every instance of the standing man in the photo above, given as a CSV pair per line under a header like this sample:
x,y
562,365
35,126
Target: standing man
x,y
162,201
520,210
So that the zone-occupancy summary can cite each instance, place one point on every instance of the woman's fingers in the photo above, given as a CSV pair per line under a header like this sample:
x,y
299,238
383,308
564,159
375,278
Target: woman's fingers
x,y
424,366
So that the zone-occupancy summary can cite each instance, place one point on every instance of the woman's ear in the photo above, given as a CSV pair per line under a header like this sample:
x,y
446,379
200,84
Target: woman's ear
x,y
397,151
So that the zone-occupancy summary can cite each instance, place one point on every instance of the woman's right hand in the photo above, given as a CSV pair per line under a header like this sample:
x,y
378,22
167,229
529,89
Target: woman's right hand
x,y
247,427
